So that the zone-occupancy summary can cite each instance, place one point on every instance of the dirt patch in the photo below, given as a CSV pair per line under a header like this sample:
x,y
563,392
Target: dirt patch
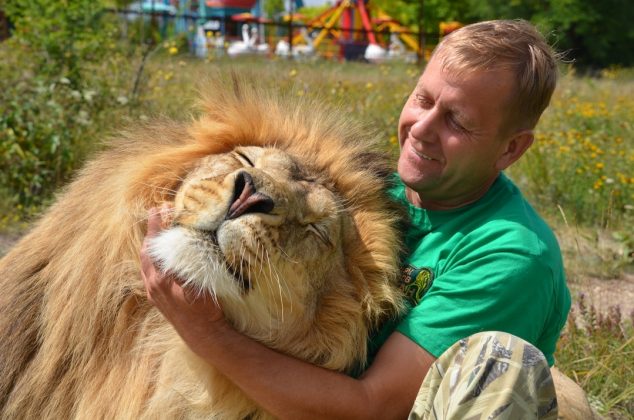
x,y
604,293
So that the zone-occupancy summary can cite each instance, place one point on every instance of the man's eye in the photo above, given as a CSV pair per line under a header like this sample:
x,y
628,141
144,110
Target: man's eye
x,y
245,158
455,124
423,101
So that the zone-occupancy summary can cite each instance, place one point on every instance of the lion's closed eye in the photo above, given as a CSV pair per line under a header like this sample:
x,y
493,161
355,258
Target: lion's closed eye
x,y
321,234
245,159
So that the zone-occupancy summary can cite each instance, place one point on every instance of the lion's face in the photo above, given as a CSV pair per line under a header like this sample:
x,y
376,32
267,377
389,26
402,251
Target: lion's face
x,y
258,230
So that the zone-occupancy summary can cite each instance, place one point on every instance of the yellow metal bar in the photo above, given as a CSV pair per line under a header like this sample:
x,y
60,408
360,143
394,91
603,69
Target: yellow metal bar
x,y
299,39
333,19
408,39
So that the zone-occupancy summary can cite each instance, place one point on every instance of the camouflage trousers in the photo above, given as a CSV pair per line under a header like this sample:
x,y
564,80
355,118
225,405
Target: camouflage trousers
x,y
489,375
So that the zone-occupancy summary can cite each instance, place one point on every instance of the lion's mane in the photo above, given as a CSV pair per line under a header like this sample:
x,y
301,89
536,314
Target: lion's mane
x,y
78,337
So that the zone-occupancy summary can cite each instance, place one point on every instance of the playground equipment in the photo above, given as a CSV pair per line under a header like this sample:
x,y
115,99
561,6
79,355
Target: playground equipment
x,y
349,24
352,29
445,28
401,41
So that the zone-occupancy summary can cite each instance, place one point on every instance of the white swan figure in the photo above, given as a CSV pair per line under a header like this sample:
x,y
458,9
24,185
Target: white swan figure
x,y
282,48
299,50
396,48
306,50
241,47
259,48
253,38
375,53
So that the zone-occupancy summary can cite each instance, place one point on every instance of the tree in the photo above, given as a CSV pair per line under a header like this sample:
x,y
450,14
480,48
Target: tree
x,y
61,34
595,33
273,8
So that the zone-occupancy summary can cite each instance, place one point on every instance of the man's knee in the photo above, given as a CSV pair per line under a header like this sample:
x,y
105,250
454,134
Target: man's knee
x,y
488,374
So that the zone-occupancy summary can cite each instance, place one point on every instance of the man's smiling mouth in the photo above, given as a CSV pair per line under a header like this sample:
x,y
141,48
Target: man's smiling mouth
x,y
422,155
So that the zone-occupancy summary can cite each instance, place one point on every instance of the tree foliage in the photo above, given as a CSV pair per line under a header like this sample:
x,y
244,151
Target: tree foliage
x,y
61,34
595,34
51,94
272,8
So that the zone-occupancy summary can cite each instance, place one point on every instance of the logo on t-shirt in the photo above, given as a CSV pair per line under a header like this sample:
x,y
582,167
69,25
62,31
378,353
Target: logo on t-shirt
x,y
415,282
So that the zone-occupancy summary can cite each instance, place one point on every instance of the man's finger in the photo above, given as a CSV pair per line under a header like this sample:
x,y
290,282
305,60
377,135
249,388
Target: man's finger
x,y
167,214
153,222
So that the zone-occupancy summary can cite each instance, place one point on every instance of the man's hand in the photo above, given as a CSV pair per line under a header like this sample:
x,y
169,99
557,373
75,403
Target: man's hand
x,y
194,316
285,386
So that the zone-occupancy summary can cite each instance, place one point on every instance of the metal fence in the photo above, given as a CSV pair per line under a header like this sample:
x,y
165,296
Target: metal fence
x,y
240,35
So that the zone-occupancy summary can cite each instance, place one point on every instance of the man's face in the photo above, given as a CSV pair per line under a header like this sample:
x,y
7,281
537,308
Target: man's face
x,y
451,136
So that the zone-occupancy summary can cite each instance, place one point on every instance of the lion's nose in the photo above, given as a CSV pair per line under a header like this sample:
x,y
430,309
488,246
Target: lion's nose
x,y
246,199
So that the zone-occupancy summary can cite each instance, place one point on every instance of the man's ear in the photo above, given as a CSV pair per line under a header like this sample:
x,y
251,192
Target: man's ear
x,y
515,148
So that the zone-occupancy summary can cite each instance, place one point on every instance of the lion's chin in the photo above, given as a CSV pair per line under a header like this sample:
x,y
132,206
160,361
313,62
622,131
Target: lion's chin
x,y
195,259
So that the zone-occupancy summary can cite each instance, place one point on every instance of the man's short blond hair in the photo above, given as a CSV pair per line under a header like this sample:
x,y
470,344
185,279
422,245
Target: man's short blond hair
x,y
513,45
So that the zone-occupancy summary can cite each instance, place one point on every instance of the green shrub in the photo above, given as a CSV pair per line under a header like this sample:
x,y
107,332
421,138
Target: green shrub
x,y
61,76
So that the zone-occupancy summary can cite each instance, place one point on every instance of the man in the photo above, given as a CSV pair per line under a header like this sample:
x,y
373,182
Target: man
x,y
480,259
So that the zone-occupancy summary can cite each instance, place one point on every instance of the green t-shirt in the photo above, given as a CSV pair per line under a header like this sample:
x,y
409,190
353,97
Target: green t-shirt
x,y
493,265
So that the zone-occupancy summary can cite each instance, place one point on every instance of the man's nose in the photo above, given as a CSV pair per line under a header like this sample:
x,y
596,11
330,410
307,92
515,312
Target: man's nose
x,y
425,128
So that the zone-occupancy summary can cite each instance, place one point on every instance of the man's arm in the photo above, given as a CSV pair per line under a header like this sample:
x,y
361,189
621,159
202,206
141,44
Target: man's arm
x,y
285,386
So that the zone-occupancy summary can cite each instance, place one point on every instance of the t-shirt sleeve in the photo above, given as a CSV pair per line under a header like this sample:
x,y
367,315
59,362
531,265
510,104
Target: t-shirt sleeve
x,y
504,289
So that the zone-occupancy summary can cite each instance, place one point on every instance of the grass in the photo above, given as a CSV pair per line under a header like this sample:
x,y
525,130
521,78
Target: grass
x,y
595,350
578,174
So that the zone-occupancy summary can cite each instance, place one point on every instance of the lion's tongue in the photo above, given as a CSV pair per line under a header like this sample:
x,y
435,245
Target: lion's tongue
x,y
250,202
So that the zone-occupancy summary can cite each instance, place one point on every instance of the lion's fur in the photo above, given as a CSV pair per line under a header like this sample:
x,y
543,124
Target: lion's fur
x,y
78,337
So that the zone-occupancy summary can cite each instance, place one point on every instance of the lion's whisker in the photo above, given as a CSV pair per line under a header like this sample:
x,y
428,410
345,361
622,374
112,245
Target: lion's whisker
x,y
157,187
276,275
287,257
266,262
170,211
273,275
270,288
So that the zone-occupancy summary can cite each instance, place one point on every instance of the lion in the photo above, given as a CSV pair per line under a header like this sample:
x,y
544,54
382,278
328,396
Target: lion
x,y
280,213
